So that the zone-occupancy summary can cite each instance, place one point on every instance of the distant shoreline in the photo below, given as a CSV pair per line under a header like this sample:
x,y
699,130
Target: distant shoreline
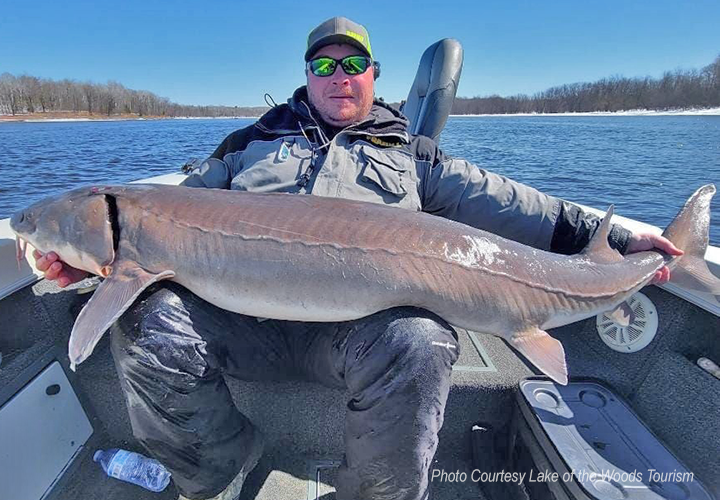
x,y
60,117
84,117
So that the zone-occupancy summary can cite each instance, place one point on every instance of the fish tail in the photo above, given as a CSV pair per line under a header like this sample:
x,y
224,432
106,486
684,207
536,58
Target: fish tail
x,y
690,232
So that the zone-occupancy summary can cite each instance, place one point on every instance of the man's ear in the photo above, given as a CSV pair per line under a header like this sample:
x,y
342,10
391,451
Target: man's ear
x,y
376,70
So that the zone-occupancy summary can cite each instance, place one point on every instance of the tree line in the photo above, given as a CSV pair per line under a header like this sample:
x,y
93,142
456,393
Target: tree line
x,y
30,94
680,89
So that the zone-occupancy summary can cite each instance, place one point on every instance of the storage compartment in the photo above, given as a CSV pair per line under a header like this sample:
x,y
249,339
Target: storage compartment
x,y
42,428
596,445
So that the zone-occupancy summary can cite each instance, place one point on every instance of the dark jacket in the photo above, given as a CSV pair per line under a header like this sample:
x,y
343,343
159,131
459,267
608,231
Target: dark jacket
x,y
287,150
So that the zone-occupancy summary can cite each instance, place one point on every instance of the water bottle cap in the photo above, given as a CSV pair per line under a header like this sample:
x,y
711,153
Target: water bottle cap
x,y
96,456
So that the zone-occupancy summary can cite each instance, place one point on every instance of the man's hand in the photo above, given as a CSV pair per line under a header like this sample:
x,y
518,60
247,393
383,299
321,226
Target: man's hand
x,y
641,242
57,270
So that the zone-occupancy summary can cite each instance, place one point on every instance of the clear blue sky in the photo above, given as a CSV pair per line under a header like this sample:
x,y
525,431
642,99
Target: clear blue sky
x,y
232,52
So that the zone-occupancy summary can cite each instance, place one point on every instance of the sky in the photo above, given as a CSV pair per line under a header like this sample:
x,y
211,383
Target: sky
x,y
217,52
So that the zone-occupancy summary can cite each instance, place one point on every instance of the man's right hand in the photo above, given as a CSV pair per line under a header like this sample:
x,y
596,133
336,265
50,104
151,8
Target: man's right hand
x,y
57,270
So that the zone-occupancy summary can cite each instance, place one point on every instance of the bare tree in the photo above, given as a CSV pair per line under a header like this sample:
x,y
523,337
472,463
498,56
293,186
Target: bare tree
x,y
90,93
106,99
10,93
48,95
29,91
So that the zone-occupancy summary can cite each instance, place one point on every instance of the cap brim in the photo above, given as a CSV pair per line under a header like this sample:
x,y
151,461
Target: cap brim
x,y
335,39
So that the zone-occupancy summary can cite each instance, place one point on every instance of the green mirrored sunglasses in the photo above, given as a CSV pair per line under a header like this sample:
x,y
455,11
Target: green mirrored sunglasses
x,y
351,65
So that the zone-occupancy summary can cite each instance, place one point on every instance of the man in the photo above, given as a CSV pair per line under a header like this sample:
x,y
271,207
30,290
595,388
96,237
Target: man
x,y
331,139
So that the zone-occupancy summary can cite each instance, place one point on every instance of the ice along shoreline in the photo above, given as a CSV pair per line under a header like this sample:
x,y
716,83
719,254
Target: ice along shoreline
x,y
634,112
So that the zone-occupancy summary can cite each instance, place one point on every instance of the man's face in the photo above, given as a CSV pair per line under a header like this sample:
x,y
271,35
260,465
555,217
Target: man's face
x,y
341,99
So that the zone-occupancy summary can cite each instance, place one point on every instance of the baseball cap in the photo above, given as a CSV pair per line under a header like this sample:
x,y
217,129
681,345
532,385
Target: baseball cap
x,y
338,30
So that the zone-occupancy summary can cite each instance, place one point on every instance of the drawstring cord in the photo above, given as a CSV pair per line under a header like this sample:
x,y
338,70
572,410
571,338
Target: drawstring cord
x,y
324,139
269,100
305,177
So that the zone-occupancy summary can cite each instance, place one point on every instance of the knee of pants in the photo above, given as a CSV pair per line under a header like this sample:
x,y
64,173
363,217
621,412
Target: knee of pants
x,y
157,332
402,343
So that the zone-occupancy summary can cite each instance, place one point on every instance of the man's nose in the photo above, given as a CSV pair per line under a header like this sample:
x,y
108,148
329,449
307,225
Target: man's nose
x,y
343,80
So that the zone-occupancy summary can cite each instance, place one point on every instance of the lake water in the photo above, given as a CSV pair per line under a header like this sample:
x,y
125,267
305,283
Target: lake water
x,y
646,166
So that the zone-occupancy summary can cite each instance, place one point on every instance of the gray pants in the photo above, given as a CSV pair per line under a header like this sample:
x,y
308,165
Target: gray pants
x,y
171,350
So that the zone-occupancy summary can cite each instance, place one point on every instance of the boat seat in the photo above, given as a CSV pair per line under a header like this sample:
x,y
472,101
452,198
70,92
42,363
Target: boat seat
x,y
432,94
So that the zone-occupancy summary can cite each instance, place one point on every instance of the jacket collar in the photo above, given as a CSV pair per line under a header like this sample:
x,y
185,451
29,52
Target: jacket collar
x,y
382,121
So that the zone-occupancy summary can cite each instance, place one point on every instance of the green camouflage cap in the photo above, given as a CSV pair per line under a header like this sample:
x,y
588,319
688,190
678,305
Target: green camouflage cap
x,y
338,30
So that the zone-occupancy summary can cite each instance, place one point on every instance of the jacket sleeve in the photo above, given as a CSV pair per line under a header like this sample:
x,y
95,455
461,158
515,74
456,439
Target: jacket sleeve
x,y
575,227
218,170
459,190
211,173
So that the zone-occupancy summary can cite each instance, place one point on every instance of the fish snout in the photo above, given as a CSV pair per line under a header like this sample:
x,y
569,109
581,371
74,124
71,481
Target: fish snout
x,y
17,219
21,222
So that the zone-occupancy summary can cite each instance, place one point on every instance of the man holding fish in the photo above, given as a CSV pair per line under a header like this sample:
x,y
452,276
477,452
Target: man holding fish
x,y
332,139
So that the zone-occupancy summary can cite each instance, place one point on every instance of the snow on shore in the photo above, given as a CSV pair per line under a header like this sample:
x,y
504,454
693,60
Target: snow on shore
x,y
634,112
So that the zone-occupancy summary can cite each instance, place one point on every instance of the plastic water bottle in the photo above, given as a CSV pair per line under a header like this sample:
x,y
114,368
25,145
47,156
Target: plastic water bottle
x,y
133,468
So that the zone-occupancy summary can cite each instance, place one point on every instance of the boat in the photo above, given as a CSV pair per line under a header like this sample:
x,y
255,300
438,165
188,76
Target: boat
x,y
643,394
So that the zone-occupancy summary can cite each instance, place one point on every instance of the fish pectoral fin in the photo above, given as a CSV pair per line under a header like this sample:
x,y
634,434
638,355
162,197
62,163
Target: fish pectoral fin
x,y
110,300
543,351
623,314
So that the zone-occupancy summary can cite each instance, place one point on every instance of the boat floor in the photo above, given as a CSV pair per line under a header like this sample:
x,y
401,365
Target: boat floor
x,y
303,422
280,475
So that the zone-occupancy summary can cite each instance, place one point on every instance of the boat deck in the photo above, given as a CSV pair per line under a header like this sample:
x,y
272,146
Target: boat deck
x,y
303,422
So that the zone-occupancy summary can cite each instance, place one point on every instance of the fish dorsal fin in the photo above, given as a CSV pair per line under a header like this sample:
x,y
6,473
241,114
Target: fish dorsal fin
x,y
599,249
543,351
112,298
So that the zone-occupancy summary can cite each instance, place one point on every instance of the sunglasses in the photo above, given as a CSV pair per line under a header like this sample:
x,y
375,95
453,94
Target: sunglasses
x,y
351,65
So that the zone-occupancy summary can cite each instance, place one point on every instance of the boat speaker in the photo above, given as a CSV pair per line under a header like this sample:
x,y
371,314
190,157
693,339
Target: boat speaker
x,y
631,326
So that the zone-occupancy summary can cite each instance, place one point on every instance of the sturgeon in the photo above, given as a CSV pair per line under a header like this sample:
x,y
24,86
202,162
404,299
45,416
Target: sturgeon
x,y
309,258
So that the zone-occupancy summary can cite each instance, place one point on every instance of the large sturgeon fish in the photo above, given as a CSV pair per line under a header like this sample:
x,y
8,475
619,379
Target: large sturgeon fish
x,y
308,258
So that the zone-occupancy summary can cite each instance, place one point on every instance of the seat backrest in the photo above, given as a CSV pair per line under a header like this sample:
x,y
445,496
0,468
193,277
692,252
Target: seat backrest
x,y
433,92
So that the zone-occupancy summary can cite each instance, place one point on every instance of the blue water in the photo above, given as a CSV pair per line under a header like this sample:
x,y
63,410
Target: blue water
x,y
646,166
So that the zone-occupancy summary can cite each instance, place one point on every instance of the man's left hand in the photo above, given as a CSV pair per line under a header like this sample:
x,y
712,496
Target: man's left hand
x,y
641,242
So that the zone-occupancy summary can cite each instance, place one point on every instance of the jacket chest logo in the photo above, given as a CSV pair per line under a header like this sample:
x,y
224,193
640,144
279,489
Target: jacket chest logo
x,y
379,142
283,153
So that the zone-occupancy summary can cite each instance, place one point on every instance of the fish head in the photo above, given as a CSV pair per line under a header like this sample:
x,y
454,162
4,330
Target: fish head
x,y
77,225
